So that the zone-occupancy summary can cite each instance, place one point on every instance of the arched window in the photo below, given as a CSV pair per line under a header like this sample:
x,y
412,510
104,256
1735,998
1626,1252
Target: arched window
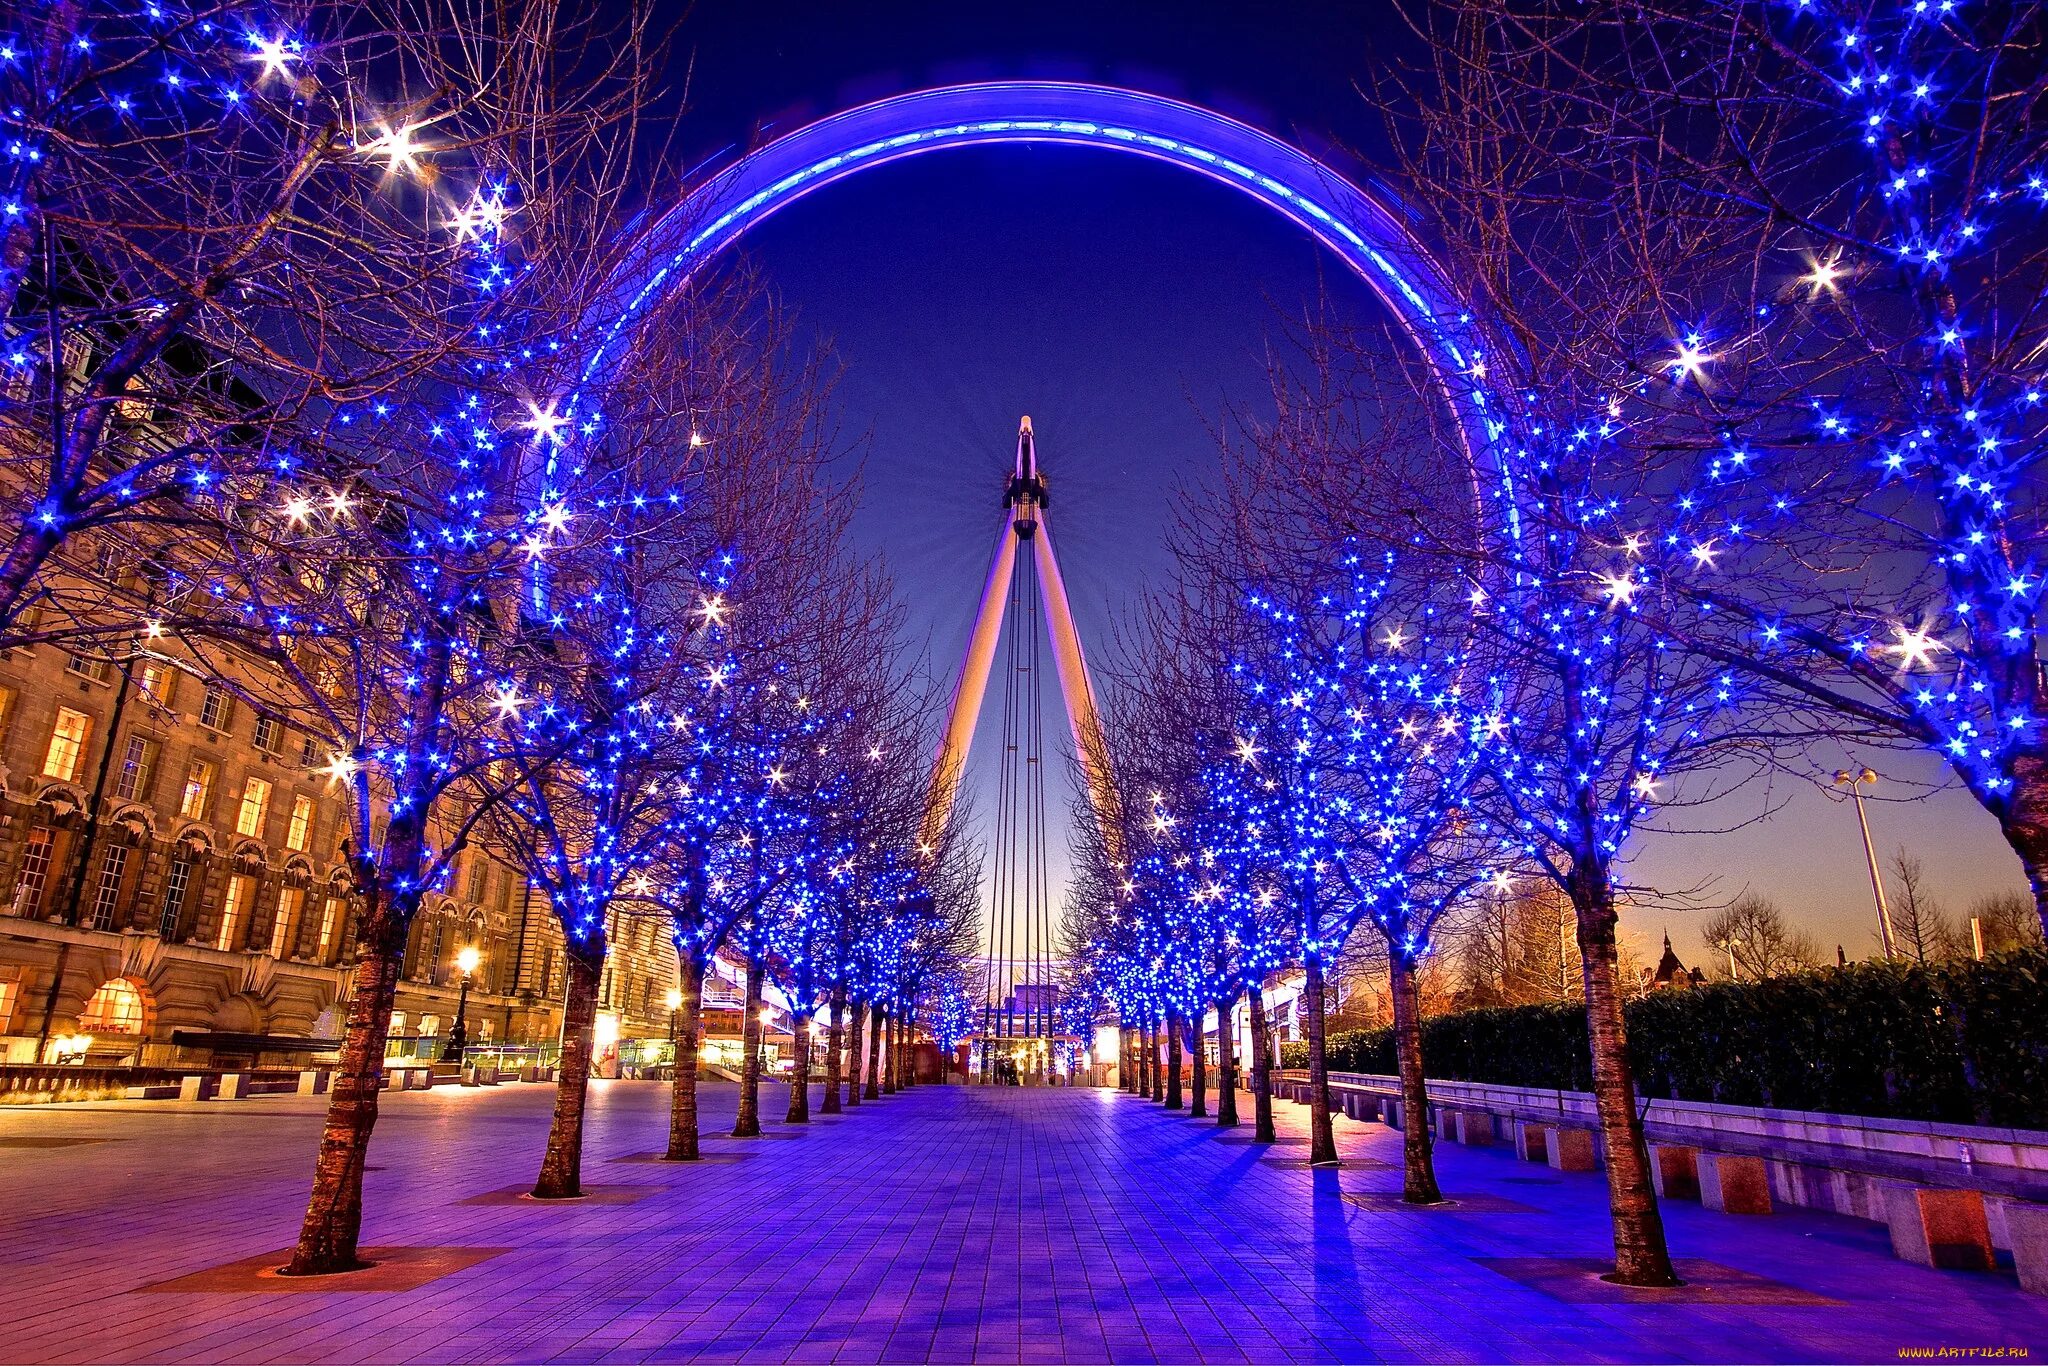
x,y
116,1008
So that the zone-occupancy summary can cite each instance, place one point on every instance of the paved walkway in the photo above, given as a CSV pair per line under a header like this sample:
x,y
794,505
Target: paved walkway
x,y
940,1225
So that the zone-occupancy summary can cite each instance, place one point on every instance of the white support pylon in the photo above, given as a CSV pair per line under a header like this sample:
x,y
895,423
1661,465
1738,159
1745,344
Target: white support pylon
x,y
1023,520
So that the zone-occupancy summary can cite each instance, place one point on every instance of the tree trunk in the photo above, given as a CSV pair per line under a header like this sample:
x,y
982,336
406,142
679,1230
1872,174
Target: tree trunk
x,y
1226,1065
1126,1061
1418,1163
1322,1143
682,1105
874,1082
799,1071
1174,1099
835,1041
748,1122
1262,1071
906,1043
561,1169
1198,1105
889,1059
854,1035
1640,1254
1145,1062
2025,824
334,1214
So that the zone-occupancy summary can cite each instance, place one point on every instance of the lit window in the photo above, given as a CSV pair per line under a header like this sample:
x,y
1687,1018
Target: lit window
x,y
286,931
67,745
138,766
255,806
106,894
158,680
116,1008
299,834
330,925
198,793
216,709
9,993
239,888
6,709
35,873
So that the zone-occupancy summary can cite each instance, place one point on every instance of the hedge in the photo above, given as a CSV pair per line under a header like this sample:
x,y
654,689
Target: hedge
x,y
1960,1042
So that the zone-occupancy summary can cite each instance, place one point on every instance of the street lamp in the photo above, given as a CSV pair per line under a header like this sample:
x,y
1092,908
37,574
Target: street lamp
x,y
458,1037
1855,782
1730,946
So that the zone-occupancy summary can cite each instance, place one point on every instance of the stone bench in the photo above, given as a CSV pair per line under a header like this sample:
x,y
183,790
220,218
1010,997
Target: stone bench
x,y
1941,1228
1734,1184
1675,1171
1569,1149
1532,1141
2026,1228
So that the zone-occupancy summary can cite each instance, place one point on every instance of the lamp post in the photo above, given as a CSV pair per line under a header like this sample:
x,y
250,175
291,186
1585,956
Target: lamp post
x,y
458,1036
1730,946
1855,782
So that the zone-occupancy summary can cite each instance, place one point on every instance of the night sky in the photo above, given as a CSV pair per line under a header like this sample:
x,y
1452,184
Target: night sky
x,y
1125,306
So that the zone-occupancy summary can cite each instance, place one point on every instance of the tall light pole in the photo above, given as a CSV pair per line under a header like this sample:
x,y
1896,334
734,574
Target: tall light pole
x,y
458,1037
1855,782
1733,976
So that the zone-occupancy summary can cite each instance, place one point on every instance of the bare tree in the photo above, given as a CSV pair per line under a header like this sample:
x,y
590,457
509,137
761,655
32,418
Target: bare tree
x,y
1752,930
1922,930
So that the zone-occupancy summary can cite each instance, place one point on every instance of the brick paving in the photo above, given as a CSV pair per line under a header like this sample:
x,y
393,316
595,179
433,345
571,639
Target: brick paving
x,y
942,1225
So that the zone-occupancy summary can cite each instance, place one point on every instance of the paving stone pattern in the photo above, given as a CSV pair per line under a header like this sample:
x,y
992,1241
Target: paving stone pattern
x,y
941,1225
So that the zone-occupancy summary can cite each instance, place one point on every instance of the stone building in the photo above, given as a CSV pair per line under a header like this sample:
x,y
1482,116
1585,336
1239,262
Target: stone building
x,y
206,917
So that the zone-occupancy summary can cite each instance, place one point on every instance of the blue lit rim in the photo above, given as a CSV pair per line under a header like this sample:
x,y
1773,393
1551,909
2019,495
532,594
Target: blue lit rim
x,y
1357,227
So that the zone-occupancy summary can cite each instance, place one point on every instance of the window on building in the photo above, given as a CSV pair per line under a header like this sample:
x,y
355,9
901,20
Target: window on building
x,y
106,893
66,754
177,881
430,1026
269,734
198,794
397,1023
138,768
479,874
233,906
284,933
6,710
330,926
158,680
116,1008
309,752
255,807
216,709
299,834
87,667
35,873
10,992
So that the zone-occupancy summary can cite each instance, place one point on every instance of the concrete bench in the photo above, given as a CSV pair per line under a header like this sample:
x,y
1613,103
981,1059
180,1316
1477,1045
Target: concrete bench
x,y
2026,1226
1734,1184
1532,1141
314,1081
1675,1171
1572,1150
233,1086
1945,1229
1474,1128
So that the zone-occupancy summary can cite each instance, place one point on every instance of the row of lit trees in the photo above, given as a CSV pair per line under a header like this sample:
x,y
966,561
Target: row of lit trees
x,y
1757,463
299,301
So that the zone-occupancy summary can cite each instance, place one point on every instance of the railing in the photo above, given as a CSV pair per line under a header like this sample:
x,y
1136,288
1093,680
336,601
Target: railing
x,y
2000,1161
